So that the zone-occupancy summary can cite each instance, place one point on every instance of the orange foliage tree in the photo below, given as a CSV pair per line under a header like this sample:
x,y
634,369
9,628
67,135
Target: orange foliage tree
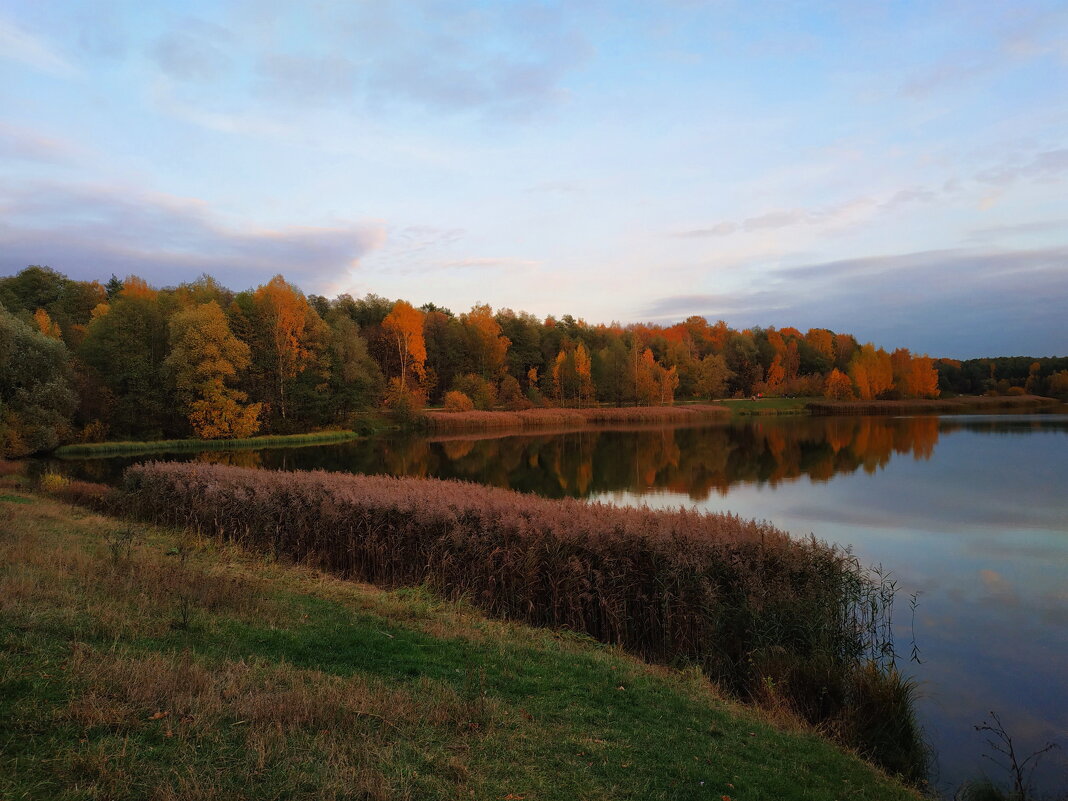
x,y
46,325
838,386
404,325
284,311
584,371
871,371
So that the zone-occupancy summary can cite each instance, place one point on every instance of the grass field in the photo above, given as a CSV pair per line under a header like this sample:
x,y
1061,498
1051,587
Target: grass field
x,y
138,662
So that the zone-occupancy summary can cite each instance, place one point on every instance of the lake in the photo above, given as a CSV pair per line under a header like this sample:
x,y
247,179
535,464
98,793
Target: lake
x,y
969,514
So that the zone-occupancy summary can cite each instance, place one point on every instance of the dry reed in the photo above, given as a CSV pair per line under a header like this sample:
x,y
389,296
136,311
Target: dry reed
x,y
447,422
936,406
668,585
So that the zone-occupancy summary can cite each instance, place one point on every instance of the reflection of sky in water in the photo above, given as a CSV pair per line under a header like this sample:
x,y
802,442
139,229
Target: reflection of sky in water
x,y
980,530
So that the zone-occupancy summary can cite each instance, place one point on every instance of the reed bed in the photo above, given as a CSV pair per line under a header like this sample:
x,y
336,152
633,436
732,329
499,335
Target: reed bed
x,y
91,449
935,406
755,608
446,422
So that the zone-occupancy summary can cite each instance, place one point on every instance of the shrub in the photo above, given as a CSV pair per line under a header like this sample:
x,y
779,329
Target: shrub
x,y
458,402
52,482
479,390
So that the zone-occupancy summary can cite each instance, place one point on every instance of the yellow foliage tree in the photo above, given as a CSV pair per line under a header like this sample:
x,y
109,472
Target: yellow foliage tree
x,y
488,345
204,356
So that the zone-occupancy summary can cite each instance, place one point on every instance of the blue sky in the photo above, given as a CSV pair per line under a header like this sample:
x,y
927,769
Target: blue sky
x,y
896,170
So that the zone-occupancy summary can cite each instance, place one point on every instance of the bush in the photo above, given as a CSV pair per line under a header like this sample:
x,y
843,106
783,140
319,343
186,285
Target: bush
x,y
458,402
479,390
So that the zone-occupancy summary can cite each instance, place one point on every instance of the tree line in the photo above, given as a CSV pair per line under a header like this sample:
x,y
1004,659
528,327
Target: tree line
x,y
88,361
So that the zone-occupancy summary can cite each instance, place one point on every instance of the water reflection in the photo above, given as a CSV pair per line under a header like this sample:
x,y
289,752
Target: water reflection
x,y
695,462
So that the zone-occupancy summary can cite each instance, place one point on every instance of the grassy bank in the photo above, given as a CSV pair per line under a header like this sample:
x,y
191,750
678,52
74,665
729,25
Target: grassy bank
x,y
94,449
563,418
769,618
139,662
768,406
959,405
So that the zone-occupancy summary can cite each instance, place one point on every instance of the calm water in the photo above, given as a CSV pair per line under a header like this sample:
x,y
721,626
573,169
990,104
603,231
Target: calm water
x,y
969,513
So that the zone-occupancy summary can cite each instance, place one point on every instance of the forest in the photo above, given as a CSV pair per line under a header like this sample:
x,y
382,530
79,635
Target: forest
x,y
84,361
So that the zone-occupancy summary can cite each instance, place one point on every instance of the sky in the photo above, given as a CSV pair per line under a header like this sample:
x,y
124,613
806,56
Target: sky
x,y
895,170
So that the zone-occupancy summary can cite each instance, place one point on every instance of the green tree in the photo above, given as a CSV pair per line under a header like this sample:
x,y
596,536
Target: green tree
x,y
36,399
355,380
125,347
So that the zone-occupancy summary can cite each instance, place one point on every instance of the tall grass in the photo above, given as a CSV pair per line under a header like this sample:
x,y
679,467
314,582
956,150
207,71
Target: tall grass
x,y
185,445
755,608
447,422
941,405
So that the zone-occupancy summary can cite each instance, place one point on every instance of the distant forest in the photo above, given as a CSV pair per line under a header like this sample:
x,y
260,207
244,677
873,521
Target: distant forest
x,y
86,361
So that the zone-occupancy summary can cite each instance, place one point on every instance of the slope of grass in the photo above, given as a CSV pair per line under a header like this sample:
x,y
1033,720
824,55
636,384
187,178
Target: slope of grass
x,y
138,662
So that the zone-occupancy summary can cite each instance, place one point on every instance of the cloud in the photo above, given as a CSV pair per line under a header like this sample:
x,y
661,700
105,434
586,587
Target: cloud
x,y
774,219
954,303
20,45
1048,165
196,52
27,145
719,229
846,213
91,232
306,79
712,306
1019,229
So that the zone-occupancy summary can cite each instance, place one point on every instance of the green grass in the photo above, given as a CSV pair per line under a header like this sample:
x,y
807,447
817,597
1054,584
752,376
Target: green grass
x,y
181,669
770,406
93,449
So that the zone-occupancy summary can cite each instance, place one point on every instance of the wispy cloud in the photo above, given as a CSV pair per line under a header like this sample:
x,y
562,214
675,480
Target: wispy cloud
x,y
92,231
18,44
194,52
28,145
1047,165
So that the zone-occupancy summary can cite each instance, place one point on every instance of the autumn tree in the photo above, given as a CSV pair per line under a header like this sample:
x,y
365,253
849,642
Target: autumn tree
x,y
283,314
914,376
712,376
838,386
653,383
404,325
584,374
486,343
205,358
45,325
872,372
